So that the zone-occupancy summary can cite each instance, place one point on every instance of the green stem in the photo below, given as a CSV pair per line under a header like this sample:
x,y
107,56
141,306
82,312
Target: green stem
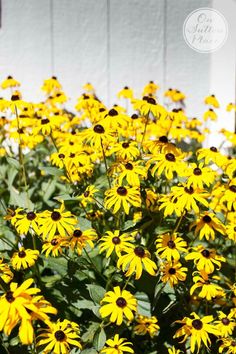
x,y
127,282
105,162
94,265
3,285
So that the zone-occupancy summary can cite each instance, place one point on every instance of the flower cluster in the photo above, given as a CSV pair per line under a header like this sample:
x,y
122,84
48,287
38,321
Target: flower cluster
x,y
121,218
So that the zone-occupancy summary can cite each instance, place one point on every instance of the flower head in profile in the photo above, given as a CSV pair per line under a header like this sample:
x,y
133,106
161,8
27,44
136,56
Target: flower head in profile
x,y
198,329
228,345
135,260
209,285
207,225
117,345
55,246
9,82
60,337
119,304
126,92
212,101
146,325
80,239
5,272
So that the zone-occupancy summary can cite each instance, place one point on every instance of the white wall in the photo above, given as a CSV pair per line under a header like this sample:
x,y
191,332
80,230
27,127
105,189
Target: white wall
x,y
112,43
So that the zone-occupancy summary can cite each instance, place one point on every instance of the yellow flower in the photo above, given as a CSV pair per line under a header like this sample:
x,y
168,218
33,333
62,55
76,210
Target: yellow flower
x,y
198,329
173,272
113,241
58,220
5,272
146,325
88,196
211,155
149,105
120,303
9,82
150,89
198,176
134,260
59,337
212,101
225,324
205,259
125,150
231,106
168,202
209,290
210,114
229,196
54,246
172,350
117,346
122,197
132,172
79,239
26,221
24,258
231,231
207,224
88,87
126,92
169,246
98,136
187,198
228,344
51,85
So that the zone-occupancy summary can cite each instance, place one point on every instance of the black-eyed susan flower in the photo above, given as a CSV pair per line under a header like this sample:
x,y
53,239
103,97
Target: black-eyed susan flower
x,y
231,107
113,241
117,345
24,258
212,101
87,197
98,136
26,221
169,204
9,82
211,155
88,87
60,337
210,114
135,260
228,346
5,272
173,350
56,221
198,329
120,304
170,246
231,231
55,246
125,150
149,105
187,198
146,325
205,259
209,289
51,85
207,225
80,239
199,175
122,197
173,272
126,92
150,89
229,196
225,324
168,164
132,172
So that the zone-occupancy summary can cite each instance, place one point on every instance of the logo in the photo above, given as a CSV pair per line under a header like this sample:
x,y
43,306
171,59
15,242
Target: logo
x,y
205,30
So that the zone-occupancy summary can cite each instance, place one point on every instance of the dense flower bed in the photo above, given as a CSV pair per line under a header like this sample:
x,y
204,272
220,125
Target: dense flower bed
x,y
118,228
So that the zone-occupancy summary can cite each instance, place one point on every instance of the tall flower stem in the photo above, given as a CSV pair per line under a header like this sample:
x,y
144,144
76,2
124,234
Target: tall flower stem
x,y
145,130
105,162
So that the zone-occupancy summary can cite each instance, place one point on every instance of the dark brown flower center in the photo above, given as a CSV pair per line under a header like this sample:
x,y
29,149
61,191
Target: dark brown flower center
x,y
113,112
99,129
122,191
9,77
206,219
213,148
233,343
163,139
151,100
189,190
170,157
22,254
54,78
31,215
116,240
139,251
9,296
86,194
171,244
55,215
121,302
172,271
197,324
54,242
61,156
225,321
134,116
206,253
129,166
45,121
125,145
197,171
77,233
60,335
233,188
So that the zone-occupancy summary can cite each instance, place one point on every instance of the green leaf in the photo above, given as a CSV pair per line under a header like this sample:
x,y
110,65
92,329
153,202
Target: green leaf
x,y
13,162
52,171
84,224
144,306
20,199
59,265
96,292
99,339
89,334
89,351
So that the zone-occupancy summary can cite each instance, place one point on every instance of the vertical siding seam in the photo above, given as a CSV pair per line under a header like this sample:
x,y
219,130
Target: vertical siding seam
x,y
165,45
108,52
52,38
